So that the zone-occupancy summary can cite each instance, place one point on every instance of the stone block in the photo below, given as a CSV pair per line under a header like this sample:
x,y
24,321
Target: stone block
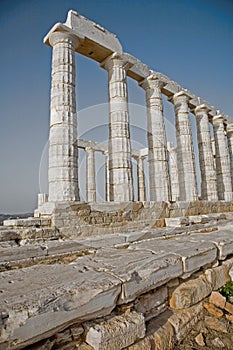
x,y
139,270
218,276
217,299
164,337
183,321
144,344
177,222
153,303
229,308
193,253
53,297
222,239
215,324
117,332
190,293
213,310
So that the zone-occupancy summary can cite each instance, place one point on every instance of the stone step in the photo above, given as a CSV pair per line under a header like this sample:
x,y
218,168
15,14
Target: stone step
x,y
28,222
196,219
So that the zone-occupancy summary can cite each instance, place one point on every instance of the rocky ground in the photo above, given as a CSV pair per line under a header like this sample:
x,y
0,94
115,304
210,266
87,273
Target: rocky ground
x,y
215,329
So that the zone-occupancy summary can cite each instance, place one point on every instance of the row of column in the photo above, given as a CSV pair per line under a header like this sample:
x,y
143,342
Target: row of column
x,y
216,180
91,176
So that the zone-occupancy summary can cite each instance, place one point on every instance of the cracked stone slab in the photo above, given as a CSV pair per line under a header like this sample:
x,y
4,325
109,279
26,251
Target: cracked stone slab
x,y
194,254
38,301
138,270
223,240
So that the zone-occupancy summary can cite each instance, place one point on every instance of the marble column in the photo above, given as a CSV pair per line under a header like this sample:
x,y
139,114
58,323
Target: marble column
x,y
157,143
107,197
120,166
230,147
206,159
174,178
141,179
63,153
185,153
224,186
90,175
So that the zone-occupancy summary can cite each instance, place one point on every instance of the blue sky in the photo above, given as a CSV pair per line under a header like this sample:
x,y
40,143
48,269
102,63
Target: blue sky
x,y
188,40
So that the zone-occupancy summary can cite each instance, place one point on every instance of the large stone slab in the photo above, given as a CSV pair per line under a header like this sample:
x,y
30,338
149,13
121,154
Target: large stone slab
x,y
195,254
223,240
38,301
139,270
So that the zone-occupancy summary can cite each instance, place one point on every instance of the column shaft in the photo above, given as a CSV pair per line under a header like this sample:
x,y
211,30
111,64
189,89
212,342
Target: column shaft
x,y
185,153
157,143
120,167
224,186
90,175
206,160
174,178
63,153
141,180
107,197
230,147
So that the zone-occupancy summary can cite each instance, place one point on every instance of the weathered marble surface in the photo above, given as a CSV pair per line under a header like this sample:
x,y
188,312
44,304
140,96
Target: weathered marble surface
x,y
185,152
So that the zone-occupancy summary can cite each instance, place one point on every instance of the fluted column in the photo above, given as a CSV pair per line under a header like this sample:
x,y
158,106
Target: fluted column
x,y
206,159
90,175
63,154
107,198
141,179
185,153
174,178
120,166
230,147
157,143
224,187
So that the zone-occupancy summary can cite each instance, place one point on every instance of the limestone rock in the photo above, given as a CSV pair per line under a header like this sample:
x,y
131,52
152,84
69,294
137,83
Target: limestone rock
x,y
215,324
200,339
190,293
213,310
117,332
218,299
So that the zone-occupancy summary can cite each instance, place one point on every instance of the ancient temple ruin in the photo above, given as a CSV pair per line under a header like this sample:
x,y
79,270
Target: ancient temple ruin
x,y
129,273
173,183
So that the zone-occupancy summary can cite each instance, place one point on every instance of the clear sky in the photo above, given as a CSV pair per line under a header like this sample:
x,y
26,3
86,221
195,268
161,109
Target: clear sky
x,y
191,41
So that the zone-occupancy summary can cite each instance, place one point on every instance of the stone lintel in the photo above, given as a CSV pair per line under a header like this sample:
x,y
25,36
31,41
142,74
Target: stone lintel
x,y
95,42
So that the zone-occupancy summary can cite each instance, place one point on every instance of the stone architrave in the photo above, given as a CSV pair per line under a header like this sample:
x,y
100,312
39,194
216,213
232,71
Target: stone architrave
x,y
63,153
185,152
174,178
157,143
141,179
90,175
230,147
224,186
206,159
120,166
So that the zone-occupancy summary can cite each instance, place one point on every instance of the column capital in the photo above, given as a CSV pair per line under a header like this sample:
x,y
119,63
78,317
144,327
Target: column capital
x,y
180,96
89,149
63,37
229,128
218,119
114,59
201,109
151,82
